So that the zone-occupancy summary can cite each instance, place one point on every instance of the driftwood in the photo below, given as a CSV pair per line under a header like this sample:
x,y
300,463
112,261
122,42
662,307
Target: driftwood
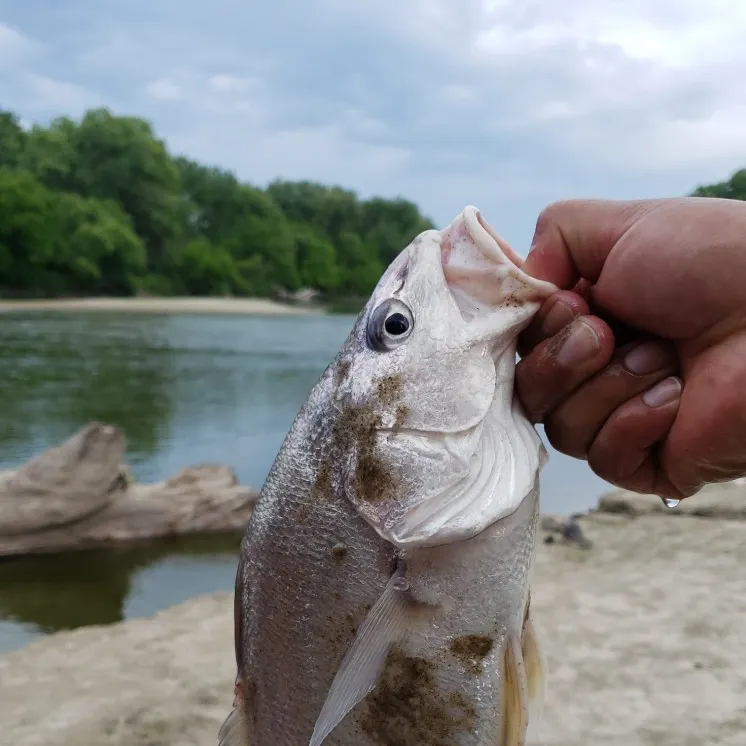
x,y
77,496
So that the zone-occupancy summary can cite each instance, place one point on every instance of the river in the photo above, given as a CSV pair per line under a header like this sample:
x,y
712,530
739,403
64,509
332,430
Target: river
x,y
185,389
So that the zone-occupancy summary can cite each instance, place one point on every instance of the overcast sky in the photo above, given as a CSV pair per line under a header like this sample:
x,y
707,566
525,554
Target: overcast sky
x,y
502,104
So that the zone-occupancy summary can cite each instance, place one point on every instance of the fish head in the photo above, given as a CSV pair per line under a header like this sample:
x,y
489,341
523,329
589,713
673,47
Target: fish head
x,y
439,446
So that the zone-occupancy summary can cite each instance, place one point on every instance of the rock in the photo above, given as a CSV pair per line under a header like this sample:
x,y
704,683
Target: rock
x,y
567,530
79,495
725,501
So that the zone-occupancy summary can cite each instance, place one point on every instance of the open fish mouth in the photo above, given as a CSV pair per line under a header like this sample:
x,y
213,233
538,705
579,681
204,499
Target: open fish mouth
x,y
483,272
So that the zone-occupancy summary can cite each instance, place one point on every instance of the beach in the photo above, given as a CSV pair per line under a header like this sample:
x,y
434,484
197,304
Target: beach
x,y
642,635
191,305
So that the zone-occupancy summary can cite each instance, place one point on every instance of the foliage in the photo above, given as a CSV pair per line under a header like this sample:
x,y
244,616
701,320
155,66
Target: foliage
x,y
100,207
733,188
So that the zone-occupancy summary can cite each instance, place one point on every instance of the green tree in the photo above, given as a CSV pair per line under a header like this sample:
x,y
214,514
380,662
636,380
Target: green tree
x,y
49,154
12,140
28,237
202,268
732,188
97,248
119,158
100,206
317,261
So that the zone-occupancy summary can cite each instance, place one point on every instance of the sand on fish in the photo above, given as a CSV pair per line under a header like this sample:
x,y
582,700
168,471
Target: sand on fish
x,y
643,635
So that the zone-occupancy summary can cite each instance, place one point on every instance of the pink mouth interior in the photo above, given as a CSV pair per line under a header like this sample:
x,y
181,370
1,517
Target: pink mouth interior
x,y
501,242
481,269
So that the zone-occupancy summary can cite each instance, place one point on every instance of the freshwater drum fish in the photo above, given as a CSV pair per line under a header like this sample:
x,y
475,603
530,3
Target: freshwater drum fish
x,y
382,593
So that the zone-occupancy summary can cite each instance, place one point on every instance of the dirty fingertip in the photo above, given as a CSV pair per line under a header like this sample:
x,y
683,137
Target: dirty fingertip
x,y
557,313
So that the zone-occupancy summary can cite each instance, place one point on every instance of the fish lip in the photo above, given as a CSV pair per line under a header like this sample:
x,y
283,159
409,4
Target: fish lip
x,y
494,248
477,220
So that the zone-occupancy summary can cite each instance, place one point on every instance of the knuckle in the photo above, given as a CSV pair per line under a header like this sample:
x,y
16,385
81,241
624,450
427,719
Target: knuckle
x,y
567,437
546,219
603,467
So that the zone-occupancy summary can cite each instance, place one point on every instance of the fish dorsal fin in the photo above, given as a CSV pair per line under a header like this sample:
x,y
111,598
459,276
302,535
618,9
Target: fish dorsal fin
x,y
362,665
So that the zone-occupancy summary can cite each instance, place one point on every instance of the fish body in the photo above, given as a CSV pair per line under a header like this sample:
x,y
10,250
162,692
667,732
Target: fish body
x,y
382,593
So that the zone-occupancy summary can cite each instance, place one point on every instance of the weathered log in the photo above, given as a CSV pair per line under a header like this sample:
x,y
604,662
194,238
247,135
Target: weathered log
x,y
64,484
76,496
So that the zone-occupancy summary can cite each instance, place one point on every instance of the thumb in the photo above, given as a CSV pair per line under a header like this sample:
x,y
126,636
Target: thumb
x,y
573,238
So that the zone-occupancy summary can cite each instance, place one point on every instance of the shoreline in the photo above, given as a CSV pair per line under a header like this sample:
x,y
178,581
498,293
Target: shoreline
x,y
642,636
164,305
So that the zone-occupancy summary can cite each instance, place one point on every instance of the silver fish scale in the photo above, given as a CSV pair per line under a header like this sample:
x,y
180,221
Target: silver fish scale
x,y
311,568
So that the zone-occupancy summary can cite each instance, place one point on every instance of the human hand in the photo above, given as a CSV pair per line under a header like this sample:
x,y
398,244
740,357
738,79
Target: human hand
x,y
653,296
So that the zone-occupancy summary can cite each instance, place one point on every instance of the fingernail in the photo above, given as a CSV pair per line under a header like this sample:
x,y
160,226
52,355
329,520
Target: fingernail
x,y
665,392
647,358
581,344
559,316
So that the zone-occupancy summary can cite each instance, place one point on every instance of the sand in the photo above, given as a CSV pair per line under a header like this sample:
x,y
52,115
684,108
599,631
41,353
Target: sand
x,y
240,306
643,636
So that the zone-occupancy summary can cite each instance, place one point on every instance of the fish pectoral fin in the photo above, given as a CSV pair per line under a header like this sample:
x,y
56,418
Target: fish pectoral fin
x,y
514,696
362,665
533,662
235,728
523,683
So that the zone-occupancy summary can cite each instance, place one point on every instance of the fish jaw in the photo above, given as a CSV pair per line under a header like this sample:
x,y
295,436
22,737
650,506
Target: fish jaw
x,y
485,276
465,455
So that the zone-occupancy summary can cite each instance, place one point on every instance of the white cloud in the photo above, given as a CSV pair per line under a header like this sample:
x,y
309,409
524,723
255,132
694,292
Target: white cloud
x,y
14,47
164,89
503,103
231,84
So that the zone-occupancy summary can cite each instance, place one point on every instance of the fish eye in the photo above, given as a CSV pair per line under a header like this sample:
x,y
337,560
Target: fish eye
x,y
389,325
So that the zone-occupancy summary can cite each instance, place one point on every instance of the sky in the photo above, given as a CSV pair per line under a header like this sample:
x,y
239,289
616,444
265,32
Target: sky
x,y
507,105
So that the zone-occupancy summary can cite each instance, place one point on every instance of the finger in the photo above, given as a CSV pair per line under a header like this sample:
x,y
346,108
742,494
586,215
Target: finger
x,y
556,367
706,442
624,452
575,423
573,238
556,313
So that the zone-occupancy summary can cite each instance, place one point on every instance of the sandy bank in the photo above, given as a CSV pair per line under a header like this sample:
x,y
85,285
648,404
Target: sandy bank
x,y
239,306
643,636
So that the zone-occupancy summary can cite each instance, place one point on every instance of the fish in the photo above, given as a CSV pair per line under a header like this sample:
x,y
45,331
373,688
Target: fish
x,y
382,592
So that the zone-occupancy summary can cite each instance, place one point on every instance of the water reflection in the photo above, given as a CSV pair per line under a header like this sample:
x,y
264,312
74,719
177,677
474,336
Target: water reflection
x,y
46,594
59,372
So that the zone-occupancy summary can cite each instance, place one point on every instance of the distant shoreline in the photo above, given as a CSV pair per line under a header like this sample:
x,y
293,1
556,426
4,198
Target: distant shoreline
x,y
171,305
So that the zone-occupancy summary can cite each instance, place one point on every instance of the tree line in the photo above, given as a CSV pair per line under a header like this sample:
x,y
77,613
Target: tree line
x,y
100,207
